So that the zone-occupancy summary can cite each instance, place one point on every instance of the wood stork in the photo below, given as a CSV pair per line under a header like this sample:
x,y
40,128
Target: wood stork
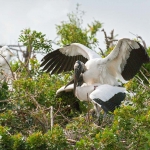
x,y
5,57
106,96
122,64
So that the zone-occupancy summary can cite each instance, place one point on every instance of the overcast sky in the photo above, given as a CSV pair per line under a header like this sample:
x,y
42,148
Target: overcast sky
x,y
123,16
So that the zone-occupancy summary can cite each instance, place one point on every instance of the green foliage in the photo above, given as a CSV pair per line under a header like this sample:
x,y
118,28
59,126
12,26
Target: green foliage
x,y
31,99
17,142
72,31
3,90
55,139
35,40
4,94
37,141
5,139
25,122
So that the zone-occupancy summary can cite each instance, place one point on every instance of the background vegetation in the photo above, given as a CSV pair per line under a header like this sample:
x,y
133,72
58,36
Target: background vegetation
x,y
25,110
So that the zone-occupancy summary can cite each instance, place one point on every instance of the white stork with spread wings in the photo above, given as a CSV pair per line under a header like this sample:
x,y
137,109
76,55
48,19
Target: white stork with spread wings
x,y
122,63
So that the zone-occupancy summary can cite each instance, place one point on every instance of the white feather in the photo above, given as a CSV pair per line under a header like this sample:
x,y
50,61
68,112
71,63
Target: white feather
x,y
5,57
69,88
98,70
78,49
90,92
105,92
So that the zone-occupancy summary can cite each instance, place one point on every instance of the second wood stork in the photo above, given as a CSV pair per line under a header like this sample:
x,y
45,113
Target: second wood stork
x,y
106,96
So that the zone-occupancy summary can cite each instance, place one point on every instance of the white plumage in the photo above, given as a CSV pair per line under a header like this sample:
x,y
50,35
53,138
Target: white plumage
x,y
93,91
106,96
121,64
5,57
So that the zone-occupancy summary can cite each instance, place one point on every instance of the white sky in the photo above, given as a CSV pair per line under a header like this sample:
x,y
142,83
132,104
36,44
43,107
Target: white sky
x,y
123,16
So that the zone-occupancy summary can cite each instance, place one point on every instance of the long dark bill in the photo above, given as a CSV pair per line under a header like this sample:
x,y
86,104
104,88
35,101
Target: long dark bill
x,y
77,73
71,82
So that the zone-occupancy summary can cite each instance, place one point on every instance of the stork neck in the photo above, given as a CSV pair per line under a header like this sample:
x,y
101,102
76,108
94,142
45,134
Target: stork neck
x,y
83,67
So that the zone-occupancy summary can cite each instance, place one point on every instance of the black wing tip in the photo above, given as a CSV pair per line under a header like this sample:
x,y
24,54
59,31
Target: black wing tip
x,y
113,103
57,57
147,58
137,58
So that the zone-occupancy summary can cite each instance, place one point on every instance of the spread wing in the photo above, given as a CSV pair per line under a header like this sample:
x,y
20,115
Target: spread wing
x,y
127,58
63,59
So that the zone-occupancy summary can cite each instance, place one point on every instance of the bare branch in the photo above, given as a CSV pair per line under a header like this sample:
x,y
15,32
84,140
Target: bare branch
x,y
144,76
109,39
144,44
7,100
102,53
72,141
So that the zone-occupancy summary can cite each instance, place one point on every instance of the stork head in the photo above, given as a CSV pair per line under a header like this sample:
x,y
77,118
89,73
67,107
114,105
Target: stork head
x,y
79,68
5,51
